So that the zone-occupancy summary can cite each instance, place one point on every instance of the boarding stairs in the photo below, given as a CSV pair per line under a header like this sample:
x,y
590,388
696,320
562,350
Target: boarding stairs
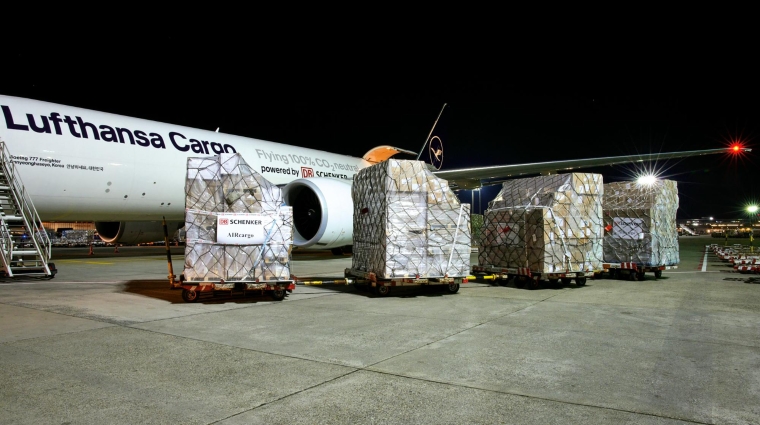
x,y
688,230
24,244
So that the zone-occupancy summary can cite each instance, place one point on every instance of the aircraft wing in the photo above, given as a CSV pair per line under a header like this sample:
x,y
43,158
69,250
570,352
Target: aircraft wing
x,y
469,178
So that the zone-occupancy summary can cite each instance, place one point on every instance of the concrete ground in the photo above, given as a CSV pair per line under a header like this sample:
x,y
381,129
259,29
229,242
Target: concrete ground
x,y
108,342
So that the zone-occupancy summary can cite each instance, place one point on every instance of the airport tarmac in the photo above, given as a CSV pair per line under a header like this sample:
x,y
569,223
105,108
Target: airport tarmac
x,y
108,342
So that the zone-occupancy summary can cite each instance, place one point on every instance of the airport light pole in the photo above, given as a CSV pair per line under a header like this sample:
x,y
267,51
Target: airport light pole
x,y
752,210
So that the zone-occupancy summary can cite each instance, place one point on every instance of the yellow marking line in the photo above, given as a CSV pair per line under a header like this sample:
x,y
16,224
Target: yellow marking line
x,y
84,262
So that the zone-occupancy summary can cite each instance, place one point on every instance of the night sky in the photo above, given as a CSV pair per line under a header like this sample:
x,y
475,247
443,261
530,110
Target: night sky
x,y
348,102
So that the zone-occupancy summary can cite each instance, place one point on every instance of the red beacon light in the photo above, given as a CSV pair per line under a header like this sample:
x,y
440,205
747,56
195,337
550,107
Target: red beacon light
x,y
738,148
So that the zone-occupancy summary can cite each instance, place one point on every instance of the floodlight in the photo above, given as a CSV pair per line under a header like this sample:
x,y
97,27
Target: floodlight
x,y
646,180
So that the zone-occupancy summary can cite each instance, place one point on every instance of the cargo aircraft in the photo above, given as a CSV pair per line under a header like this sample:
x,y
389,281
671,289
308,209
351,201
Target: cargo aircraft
x,y
128,174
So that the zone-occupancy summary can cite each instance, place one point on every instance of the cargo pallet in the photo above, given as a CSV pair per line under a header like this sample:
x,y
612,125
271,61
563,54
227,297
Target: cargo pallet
x,y
525,278
382,286
631,271
193,291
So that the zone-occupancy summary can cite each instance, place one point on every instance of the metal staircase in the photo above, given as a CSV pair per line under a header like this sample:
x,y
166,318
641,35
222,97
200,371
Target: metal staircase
x,y
24,244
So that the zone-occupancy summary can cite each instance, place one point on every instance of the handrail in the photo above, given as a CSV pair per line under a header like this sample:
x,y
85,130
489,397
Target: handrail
x,y
7,247
28,211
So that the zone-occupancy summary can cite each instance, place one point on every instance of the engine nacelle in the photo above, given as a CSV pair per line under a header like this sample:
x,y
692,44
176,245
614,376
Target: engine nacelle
x,y
135,232
323,212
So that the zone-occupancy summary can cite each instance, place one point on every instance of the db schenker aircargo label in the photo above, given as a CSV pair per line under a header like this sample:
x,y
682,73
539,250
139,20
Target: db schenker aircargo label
x,y
245,229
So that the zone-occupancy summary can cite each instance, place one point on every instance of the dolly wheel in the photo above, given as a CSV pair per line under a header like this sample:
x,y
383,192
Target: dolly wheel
x,y
580,281
189,295
453,288
520,282
382,290
530,283
657,274
277,294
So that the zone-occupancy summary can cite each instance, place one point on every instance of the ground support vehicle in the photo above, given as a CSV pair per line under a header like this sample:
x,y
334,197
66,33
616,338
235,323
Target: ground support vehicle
x,y
730,253
745,260
630,271
382,286
747,264
747,268
741,257
525,278
193,291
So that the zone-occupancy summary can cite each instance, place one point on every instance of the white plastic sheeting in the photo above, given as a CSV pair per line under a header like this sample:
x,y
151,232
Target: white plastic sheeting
x,y
224,185
548,224
640,223
408,223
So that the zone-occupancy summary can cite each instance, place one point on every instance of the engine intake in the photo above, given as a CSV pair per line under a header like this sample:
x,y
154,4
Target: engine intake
x,y
135,232
323,212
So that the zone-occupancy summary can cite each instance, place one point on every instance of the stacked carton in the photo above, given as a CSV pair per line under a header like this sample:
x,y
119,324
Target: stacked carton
x,y
408,223
77,237
225,187
640,223
548,224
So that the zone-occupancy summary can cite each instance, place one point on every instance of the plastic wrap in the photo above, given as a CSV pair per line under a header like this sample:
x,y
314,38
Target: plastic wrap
x,y
222,190
640,223
548,224
408,223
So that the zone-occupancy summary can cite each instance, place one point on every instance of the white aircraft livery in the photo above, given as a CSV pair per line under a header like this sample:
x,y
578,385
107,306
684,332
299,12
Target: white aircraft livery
x,y
127,174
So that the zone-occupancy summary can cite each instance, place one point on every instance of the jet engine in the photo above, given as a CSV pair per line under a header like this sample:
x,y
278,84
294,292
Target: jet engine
x,y
322,217
323,212
135,232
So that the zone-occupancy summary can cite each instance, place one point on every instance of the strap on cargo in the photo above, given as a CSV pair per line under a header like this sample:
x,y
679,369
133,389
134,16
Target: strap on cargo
x,y
454,242
266,241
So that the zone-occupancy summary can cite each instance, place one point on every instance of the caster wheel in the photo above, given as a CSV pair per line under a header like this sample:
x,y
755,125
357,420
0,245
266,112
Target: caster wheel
x,y
189,295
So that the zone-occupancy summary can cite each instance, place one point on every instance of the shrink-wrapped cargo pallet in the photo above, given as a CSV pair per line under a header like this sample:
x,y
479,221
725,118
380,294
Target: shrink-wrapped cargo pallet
x,y
547,224
640,223
408,223
236,227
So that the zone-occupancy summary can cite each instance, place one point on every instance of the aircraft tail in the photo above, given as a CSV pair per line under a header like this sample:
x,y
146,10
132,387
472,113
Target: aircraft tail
x,y
434,142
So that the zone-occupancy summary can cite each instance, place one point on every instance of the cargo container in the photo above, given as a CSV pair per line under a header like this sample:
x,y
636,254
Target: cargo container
x,y
238,232
409,229
641,234
545,228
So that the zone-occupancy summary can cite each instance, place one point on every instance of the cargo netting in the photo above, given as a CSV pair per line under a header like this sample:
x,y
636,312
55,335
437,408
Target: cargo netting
x,y
221,192
640,223
547,224
408,223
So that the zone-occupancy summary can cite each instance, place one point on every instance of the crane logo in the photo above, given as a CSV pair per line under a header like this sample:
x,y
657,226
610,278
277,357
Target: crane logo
x,y
436,152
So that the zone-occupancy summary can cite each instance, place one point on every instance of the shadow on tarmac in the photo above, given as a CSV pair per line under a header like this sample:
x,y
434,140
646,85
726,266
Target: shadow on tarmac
x,y
160,290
